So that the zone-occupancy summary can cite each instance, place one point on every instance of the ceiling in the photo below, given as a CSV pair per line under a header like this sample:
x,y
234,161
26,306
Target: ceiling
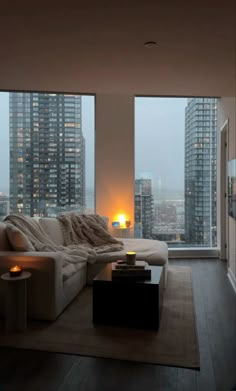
x,y
99,48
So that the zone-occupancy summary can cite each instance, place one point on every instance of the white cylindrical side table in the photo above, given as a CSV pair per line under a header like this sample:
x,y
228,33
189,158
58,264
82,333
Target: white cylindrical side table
x,y
16,301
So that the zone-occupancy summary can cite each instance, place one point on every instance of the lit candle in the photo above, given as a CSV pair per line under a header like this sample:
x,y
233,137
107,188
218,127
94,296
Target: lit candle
x,y
15,271
130,257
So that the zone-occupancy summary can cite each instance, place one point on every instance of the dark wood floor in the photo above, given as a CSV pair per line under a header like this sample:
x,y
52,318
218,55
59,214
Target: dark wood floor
x,y
215,304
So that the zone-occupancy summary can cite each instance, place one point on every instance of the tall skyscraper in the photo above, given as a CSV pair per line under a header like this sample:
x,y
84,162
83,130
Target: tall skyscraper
x,y
143,208
200,171
47,154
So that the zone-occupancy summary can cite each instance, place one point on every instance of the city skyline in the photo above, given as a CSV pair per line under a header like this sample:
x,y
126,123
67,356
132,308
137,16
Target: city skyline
x,y
192,219
152,120
47,155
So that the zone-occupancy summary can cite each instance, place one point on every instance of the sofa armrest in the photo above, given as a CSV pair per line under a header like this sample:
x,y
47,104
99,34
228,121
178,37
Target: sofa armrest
x,y
38,263
45,283
36,260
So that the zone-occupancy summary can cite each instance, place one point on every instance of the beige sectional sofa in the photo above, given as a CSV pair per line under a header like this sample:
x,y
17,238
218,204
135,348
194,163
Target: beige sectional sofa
x,y
49,291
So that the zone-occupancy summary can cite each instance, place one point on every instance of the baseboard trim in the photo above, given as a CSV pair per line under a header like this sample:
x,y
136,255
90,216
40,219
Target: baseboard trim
x,y
232,279
193,252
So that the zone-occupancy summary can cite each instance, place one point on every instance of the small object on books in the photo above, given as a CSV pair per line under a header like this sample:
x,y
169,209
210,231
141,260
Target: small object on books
x,y
120,262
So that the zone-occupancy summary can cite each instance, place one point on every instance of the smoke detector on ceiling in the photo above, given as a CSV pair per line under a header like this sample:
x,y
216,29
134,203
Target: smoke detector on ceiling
x,y
150,44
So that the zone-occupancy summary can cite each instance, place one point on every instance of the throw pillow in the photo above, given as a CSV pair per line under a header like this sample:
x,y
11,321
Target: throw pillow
x,y
18,239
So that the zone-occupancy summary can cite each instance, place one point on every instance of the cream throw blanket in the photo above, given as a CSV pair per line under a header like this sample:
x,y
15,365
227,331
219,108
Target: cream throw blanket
x,y
78,251
77,255
88,229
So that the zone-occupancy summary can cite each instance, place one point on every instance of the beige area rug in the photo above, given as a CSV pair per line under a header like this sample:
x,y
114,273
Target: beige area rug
x,y
175,343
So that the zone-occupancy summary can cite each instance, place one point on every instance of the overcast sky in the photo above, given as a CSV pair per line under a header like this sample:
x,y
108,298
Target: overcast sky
x,y
159,140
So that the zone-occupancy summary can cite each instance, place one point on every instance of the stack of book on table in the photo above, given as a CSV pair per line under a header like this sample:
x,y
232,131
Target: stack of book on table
x,y
140,270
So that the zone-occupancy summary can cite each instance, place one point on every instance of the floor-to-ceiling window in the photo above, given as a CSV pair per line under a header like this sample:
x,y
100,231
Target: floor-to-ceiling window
x,y
175,170
46,153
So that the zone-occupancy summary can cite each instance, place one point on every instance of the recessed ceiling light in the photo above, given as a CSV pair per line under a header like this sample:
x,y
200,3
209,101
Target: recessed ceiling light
x,y
150,44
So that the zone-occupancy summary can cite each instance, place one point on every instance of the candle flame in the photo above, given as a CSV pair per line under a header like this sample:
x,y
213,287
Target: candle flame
x,y
15,268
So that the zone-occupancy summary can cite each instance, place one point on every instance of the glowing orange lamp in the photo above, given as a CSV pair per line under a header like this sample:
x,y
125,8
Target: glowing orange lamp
x,y
121,218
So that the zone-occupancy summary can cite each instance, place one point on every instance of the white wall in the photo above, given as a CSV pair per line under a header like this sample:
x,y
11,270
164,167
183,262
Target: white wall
x,y
227,109
114,155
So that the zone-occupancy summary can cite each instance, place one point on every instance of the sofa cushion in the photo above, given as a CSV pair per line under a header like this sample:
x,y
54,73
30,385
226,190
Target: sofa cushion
x,y
155,252
18,239
52,227
5,245
71,268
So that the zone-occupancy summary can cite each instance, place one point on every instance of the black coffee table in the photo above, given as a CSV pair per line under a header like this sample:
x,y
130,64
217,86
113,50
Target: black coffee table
x,y
129,303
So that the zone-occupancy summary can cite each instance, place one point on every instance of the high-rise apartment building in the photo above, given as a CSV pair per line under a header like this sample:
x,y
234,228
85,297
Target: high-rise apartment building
x,y
47,154
143,208
200,171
